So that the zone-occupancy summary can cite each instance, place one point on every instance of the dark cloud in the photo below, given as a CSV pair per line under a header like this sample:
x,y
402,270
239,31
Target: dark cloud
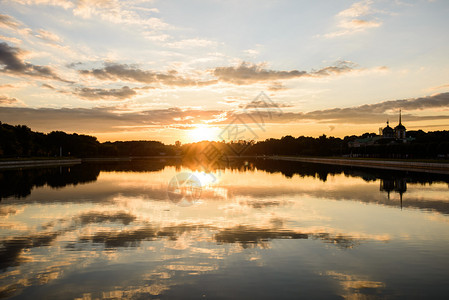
x,y
48,86
364,114
106,94
4,100
74,64
340,67
12,63
247,73
100,119
131,73
370,112
8,21
109,119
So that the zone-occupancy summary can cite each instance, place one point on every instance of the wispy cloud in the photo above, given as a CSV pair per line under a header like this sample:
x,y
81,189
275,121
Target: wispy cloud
x,y
444,86
19,29
357,18
10,39
48,36
113,11
8,21
13,64
357,9
61,3
5,100
14,26
191,43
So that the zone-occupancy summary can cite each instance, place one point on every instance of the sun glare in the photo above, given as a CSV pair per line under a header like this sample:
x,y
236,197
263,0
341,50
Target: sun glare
x,y
203,133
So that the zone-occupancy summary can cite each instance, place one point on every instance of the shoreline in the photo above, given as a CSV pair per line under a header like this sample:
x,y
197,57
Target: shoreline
x,y
442,168
415,166
43,162
38,163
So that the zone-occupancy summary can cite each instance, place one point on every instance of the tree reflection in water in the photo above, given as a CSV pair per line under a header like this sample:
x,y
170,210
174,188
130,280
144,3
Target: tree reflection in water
x,y
130,241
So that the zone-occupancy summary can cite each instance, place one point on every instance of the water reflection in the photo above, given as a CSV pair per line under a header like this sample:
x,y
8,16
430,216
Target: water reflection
x,y
398,185
264,229
19,183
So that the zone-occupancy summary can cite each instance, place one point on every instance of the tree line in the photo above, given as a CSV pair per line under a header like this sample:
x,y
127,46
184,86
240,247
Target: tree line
x,y
21,141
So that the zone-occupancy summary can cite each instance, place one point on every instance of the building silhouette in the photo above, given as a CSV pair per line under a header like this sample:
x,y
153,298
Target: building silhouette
x,y
398,133
400,130
387,135
388,132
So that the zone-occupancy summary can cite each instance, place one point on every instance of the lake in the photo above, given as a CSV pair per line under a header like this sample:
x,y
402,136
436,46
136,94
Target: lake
x,y
251,229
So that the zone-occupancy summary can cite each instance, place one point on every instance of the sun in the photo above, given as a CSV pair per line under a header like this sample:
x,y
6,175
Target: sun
x,y
203,133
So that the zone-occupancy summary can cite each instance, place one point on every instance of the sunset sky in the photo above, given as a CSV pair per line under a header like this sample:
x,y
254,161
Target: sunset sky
x,y
185,70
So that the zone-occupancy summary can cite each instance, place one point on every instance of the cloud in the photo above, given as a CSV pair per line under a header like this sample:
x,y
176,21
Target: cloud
x,y
7,86
101,119
8,21
363,114
119,72
434,101
191,43
115,119
360,24
10,39
48,86
357,18
113,11
277,86
369,113
251,52
247,73
61,3
242,74
105,94
5,100
11,59
48,36
444,86
357,9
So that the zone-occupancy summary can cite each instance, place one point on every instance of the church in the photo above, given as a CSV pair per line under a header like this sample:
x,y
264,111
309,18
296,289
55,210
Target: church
x,y
387,135
397,133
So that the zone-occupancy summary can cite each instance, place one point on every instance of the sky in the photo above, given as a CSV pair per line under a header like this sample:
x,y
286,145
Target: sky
x,y
223,70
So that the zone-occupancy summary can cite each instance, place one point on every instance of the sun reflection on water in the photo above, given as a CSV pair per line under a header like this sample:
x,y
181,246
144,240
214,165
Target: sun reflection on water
x,y
246,222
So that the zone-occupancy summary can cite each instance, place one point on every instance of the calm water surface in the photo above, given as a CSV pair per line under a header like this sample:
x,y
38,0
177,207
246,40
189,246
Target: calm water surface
x,y
253,230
